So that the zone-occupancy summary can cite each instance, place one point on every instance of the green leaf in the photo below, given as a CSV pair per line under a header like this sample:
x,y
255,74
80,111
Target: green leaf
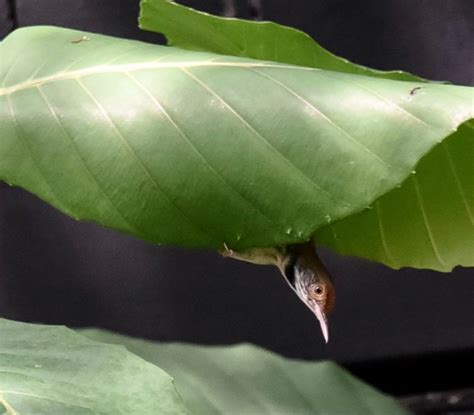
x,y
197,149
190,29
46,370
245,379
423,224
427,222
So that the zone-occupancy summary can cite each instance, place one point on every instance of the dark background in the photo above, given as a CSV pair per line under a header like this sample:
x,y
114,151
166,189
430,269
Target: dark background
x,y
405,331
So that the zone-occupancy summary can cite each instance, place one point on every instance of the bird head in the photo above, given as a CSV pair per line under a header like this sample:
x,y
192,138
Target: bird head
x,y
304,272
308,277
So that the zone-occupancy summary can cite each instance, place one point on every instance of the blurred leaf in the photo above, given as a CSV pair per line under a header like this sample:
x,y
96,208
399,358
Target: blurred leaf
x,y
248,380
46,370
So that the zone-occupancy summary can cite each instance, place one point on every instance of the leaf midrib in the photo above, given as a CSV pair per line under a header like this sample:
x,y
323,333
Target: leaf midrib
x,y
35,396
7,406
103,69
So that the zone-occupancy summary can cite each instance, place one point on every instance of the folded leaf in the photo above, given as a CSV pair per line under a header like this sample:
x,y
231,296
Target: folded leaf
x,y
246,379
46,370
197,149
427,222
420,226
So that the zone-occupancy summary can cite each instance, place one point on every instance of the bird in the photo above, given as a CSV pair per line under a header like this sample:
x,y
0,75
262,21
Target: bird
x,y
304,272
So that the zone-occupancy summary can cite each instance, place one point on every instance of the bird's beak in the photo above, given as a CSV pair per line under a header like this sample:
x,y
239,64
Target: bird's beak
x,y
317,311
281,263
323,322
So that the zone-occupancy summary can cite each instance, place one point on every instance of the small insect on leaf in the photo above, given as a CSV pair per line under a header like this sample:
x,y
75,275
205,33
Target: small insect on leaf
x,y
81,39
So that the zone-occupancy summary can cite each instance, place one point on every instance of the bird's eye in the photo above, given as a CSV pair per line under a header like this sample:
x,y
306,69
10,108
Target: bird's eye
x,y
318,289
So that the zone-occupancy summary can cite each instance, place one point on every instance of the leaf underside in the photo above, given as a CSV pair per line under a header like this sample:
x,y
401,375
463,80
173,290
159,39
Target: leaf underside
x,y
246,379
46,370
427,222
197,149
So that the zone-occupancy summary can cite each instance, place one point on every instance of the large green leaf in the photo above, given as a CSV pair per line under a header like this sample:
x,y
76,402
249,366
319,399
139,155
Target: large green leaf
x,y
190,29
47,370
421,224
198,149
54,371
245,379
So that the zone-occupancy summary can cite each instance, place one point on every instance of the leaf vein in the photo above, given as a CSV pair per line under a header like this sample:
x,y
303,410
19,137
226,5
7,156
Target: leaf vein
x,y
382,233
324,116
32,395
381,97
425,221
9,408
137,66
76,151
263,139
458,182
138,161
28,149
188,141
